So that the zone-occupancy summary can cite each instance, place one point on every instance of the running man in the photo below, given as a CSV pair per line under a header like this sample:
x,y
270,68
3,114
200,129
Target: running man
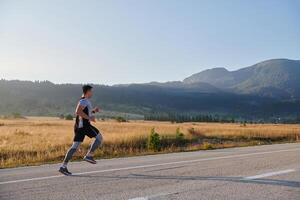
x,y
83,127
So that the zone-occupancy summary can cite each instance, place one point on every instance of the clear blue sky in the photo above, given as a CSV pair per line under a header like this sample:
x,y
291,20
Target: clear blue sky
x,y
124,41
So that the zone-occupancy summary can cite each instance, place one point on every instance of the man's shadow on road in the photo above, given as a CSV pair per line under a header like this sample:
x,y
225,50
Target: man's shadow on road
x,y
286,183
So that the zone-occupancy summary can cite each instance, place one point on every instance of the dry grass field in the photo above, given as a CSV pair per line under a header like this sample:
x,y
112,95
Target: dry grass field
x,y
37,140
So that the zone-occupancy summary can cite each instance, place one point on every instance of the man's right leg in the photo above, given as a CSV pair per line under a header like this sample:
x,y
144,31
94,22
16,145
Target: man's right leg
x,y
93,132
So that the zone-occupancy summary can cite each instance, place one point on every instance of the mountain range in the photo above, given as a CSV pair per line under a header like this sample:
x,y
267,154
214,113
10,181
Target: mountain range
x,y
278,78
264,90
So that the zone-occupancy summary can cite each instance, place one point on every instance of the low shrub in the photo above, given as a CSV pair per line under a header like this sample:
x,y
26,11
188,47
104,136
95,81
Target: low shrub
x,y
69,117
120,119
13,116
179,138
154,141
207,146
196,133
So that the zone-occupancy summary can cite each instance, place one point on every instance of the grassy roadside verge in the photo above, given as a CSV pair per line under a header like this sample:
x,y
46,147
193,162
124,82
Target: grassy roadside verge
x,y
152,143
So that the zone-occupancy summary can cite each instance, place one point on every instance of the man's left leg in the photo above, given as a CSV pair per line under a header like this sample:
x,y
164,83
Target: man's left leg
x,y
94,132
63,169
78,139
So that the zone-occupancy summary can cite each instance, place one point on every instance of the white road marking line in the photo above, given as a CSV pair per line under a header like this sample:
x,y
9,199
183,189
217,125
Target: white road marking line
x,y
152,196
31,179
152,165
269,174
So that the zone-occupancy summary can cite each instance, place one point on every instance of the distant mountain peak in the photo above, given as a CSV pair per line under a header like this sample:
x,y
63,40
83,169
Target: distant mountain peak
x,y
278,75
276,61
214,76
217,69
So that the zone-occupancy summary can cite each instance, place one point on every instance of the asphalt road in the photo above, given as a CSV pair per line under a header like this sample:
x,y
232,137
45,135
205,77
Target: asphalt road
x,y
261,172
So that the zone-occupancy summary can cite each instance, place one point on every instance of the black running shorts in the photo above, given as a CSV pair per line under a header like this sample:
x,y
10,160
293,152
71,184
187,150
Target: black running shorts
x,y
87,130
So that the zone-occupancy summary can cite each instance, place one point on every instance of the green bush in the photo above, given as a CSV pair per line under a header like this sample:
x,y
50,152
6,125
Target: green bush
x,y
207,146
69,117
244,124
17,115
179,137
14,116
154,141
120,119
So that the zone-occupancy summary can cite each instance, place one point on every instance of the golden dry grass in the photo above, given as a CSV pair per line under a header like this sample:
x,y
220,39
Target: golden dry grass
x,y
37,140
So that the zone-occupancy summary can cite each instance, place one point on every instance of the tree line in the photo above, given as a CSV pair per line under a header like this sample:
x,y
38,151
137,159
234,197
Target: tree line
x,y
185,117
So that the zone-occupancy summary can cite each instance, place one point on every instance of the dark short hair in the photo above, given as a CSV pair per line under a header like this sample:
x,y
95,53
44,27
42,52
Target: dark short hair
x,y
86,88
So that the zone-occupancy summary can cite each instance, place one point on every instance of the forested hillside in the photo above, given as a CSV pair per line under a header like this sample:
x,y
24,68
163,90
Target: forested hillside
x,y
267,90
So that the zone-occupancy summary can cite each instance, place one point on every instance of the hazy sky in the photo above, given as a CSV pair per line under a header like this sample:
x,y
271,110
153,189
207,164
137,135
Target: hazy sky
x,y
122,41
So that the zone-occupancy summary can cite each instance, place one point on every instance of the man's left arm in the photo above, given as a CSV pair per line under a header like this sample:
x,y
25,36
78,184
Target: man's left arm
x,y
96,109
